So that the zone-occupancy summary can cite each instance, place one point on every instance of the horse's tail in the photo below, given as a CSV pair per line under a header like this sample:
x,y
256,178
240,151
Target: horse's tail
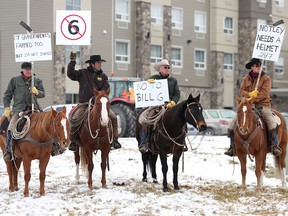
x,y
83,157
277,164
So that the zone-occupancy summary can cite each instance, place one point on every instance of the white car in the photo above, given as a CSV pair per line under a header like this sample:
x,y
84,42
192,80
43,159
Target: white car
x,y
58,108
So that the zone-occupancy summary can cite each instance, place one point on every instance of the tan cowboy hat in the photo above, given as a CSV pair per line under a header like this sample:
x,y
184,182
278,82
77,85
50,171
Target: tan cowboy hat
x,y
164,62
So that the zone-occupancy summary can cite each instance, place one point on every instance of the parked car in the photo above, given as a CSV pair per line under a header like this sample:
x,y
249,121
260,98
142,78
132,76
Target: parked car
x,y
285,114
1,110
191,130
217,120
58,108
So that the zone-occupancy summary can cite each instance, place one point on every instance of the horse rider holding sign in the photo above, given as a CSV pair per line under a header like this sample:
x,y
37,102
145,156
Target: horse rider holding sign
x,y
89,78
19,89
257,86
163,67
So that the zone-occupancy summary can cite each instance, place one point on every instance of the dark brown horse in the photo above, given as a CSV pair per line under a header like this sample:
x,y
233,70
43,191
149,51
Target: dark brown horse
x,y
169,137
95,134
11,166
45,129
251,139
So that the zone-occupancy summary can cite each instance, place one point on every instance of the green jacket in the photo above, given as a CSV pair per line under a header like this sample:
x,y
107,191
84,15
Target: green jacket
x,y
18,90
173,88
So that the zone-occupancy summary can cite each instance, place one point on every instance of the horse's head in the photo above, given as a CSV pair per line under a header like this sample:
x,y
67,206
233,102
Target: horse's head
x,y
194,113
102,104
244,115
61,127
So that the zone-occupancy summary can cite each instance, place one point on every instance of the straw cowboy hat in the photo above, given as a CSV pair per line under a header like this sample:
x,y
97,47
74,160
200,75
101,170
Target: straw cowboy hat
x,y
164,62
95,58
252,62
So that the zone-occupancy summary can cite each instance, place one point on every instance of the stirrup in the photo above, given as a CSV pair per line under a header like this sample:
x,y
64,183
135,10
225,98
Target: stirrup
x,y
143,148
72,146
230,152
7,156
276,150
116,144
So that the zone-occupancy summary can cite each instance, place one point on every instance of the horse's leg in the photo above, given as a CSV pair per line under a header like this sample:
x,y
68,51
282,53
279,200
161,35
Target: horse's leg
x,y
27,173
258,170
11,174
90,165
242,158
77,162
104,156
176,158
16,168
282,161
163,158
145,164
42,167
154,158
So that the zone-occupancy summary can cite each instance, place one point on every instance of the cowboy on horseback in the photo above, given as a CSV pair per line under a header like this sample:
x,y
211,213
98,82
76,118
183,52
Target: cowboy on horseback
x,y
262,102
89,78
163,67
19,88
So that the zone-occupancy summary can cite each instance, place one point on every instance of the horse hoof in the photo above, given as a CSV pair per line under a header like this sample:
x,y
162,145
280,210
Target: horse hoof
x,y
165,190
177,188
144,180
155,181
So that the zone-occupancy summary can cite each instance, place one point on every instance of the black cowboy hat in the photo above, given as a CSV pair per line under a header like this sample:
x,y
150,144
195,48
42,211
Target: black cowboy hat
x,y
95,58
26,65
252,62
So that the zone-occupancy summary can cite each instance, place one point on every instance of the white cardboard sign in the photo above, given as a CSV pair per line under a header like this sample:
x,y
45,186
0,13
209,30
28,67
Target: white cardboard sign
x,y
151,94
268,42
73,27
32,47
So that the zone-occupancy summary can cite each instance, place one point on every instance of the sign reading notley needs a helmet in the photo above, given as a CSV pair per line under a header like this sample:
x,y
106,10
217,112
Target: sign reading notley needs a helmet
x,y
268,42
32,47
73,27
151,94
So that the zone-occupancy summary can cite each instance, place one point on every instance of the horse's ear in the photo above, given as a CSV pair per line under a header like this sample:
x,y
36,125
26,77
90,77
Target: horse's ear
x,y
238,100
64,109
198,97
54,112
108,91
190,97
95,91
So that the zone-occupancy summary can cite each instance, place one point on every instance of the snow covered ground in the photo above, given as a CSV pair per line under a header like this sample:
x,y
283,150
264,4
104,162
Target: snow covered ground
x,y
210,185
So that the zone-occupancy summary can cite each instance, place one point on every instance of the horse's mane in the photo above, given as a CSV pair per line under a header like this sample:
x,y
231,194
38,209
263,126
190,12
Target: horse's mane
x,y
40,119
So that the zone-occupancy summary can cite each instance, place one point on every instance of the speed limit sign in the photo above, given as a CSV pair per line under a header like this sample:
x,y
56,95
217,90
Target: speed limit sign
x,y
73,27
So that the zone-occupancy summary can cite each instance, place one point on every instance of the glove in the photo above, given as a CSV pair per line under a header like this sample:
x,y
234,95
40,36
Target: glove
x,y
73,56
34,90
170,104
151,80
253,94
7,112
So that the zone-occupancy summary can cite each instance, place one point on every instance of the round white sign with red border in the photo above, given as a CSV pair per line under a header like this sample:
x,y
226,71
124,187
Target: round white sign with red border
x,y
73,27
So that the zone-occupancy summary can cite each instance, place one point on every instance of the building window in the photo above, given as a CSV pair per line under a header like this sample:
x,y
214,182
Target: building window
x,y
122,10
200,22
262,1
279,66
73,4
176,58
68,50
279,3
71,98
228,61
200,59
157,14
228,25
156,53
177,18
122,51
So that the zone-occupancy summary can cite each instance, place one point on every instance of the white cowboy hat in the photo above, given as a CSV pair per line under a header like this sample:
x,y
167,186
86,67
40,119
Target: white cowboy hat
x,y
164,62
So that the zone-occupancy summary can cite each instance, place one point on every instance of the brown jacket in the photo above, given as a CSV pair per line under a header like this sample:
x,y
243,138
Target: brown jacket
x,y
264,87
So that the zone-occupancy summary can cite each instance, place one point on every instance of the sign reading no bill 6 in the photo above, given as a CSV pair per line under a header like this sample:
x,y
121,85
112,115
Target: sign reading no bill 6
x,y
73,27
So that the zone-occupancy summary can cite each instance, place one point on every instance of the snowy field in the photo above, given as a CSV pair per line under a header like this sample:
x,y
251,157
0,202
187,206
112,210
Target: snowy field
x,y
209,185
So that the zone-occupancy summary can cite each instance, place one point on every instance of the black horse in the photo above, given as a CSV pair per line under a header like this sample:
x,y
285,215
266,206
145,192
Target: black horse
x,y
169,137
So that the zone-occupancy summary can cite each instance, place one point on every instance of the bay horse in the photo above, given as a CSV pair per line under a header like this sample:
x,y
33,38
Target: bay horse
x,y
95,134
169,137
251,138
11,166
46,129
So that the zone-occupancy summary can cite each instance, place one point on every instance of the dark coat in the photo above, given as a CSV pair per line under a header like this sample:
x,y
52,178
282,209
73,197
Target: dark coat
x,y
88,79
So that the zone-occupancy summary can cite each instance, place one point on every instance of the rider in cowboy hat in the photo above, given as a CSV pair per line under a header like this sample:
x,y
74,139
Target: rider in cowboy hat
x,y
89,78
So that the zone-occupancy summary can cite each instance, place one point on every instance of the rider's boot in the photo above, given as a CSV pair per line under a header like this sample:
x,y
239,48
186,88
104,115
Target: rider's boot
x,y
185,148
276,150
72,146
143,147
7,154
231,151
115,143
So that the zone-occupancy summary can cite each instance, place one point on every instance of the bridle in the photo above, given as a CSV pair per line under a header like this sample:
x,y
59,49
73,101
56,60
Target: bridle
x,y
191,114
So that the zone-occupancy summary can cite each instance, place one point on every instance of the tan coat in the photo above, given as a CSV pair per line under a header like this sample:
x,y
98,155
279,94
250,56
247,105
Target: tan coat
x,y
264,87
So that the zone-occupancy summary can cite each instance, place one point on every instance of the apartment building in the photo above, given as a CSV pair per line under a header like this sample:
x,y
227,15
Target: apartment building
x,y
207,41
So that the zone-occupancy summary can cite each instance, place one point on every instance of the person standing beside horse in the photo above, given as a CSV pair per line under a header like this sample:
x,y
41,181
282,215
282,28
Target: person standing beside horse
x,y
20,89
163,67
89,78
262,102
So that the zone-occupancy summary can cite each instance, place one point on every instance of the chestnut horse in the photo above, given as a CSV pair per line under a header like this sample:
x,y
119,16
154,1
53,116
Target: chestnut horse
x,y
169,137
45,129
95,133
251,138
11,166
